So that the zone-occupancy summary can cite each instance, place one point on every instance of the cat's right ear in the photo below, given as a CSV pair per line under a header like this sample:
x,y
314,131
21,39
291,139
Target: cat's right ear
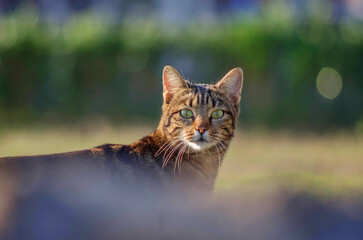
x,y
172,82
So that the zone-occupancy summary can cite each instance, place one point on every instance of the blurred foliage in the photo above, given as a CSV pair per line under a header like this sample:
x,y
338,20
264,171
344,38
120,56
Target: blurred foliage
x,y
89,68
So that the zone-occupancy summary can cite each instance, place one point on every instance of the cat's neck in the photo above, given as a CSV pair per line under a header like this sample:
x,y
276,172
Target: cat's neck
x,y
194,168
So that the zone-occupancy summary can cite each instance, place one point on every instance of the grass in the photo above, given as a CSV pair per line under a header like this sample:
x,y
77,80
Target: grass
x,y
326,165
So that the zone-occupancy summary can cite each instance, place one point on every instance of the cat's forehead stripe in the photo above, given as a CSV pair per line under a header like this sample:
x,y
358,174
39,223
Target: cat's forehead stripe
x,y
191,102
202,93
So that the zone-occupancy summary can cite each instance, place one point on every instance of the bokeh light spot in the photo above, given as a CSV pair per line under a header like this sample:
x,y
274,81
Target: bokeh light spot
x,y
329,83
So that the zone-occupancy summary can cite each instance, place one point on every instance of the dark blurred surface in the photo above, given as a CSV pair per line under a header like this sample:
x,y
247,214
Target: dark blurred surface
x,y
68,61
92,208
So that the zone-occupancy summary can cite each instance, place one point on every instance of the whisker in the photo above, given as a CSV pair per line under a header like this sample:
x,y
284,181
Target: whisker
x,y
222,145
171,154
219,157
176,160
182,157
220,148
170,147
179,158
166,149
161,149
226,142
188,152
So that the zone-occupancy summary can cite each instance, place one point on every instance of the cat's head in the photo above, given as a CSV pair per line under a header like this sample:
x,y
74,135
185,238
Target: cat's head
x,y
200,116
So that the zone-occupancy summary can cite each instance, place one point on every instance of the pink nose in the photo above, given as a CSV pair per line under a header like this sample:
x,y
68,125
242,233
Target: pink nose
x,y
201,129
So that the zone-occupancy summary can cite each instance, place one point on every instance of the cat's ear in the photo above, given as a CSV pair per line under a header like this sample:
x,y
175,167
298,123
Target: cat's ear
x,y
231,84
172,82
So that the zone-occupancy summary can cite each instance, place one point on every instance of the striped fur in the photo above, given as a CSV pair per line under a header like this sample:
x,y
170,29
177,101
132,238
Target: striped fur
x,y
176,152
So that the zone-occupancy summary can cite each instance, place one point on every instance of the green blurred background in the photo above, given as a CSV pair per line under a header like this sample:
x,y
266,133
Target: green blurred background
x,y
70,62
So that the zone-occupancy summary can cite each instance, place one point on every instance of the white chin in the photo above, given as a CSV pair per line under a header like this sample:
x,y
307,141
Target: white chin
x,y
199,145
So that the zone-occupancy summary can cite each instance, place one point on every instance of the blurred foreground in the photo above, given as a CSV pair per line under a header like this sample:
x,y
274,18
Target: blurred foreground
x,y
272,185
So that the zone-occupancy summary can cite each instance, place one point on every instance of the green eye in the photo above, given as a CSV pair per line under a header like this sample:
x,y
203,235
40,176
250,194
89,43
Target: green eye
x,y
186,113
217,114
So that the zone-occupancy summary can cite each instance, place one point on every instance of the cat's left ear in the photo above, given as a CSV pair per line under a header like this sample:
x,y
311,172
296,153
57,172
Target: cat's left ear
x,y
231,84
172,82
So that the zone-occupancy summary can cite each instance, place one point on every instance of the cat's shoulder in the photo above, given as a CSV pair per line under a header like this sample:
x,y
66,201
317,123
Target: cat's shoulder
x,y
109,148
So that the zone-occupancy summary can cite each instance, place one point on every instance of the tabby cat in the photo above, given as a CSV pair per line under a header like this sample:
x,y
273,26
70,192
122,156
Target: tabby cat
x,y
187,148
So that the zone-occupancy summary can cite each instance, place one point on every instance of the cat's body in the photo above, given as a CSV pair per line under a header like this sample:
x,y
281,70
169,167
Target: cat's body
x,y
184,152
135,164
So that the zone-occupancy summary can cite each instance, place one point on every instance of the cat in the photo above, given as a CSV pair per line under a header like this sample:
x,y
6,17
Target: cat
x,y
187,148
